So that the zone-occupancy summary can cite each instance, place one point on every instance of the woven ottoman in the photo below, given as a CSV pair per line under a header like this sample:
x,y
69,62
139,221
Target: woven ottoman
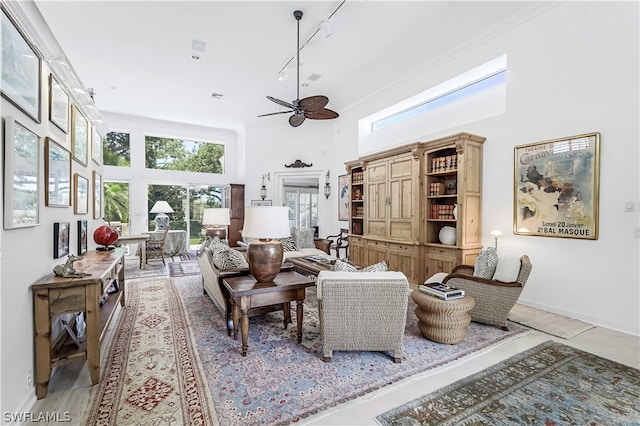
x,y
443,321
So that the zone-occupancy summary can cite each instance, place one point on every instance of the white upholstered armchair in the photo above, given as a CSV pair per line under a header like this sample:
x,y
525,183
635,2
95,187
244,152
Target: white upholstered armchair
x,y
362,311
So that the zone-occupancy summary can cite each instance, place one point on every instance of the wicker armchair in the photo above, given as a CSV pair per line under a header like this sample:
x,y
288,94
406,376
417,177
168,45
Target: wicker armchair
x,y
494,299
362,311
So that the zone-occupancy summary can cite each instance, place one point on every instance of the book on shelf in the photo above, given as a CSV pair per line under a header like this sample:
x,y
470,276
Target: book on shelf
x,y
442,291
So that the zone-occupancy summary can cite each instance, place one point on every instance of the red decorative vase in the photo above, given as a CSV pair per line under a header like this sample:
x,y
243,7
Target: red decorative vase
x,y
105,236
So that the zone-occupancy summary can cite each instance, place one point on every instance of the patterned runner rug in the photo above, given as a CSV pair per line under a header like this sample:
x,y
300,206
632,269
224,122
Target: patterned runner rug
x,y
280,382
550,384
151,269
152,373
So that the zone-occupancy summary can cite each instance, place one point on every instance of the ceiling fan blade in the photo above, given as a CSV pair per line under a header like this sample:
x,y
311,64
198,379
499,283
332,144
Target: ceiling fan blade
x,y
323,114
296,119
281,102
275,113
313,103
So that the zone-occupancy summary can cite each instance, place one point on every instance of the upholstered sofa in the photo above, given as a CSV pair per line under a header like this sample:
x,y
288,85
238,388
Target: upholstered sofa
x,y
362,311
301,243
213,287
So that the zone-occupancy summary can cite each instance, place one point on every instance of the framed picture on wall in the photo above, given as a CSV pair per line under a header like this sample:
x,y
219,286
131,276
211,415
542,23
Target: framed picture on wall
x,y
97,195
344,195
556,187
57,169
82,236
20,70
79,136
96,147
80,194
21,176
261,202
60,239
58,105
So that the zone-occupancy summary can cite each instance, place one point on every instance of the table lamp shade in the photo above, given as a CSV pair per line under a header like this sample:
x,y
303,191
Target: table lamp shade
x,y
265,255
266,222
162,220
215,216
215,221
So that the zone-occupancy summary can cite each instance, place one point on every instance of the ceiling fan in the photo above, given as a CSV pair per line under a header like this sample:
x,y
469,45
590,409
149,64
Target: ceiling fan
x,y
312,107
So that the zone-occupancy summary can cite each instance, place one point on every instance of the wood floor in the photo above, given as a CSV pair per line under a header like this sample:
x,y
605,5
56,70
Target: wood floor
x,y
70,387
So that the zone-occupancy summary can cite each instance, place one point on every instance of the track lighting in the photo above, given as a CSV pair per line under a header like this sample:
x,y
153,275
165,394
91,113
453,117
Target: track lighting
x,y
326,28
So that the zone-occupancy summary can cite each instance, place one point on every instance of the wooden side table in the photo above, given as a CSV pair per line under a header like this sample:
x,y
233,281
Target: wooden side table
x,y
246,293
53,296
443,321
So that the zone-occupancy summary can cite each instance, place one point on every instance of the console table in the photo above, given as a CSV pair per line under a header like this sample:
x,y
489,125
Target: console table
x,y
54,296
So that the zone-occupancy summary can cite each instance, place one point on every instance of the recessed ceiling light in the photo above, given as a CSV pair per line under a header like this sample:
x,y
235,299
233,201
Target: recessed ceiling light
x,y
217,95
198,45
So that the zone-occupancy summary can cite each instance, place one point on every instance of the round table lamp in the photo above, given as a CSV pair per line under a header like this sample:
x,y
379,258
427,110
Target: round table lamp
x,y
266,223
215,221
161,208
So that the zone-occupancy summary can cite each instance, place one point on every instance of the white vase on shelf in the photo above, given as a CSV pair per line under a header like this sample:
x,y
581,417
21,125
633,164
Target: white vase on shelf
x,y
447,235
455,211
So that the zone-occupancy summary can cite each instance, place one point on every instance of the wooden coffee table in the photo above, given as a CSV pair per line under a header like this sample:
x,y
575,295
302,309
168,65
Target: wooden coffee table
x,y
308,267
245,293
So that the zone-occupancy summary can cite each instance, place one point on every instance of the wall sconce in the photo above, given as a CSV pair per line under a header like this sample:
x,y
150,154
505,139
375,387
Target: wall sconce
x,y
263,189
496,234
327,186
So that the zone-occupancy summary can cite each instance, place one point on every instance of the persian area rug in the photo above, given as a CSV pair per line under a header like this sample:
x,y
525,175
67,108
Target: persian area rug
x,y
132,268
189,255
280,382
181,269
550,384
547,322
152,373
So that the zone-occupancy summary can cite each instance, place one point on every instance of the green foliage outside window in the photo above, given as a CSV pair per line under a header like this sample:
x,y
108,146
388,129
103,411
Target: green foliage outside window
x,y
184,155
116,149
116,202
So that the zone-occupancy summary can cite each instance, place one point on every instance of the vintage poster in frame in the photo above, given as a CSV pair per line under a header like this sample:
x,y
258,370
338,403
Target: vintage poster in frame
x,y
60,239
556,187
21,175
20,70
344,195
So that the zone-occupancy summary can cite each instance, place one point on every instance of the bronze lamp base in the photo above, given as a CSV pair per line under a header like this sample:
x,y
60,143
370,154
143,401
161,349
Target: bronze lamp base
x,y
265,259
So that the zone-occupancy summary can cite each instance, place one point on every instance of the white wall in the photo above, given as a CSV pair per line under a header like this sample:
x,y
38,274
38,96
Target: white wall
x,y
571,70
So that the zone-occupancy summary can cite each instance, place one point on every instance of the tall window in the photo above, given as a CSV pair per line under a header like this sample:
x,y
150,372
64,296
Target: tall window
x,y
185,155
303,206
187,202
116,149
116,205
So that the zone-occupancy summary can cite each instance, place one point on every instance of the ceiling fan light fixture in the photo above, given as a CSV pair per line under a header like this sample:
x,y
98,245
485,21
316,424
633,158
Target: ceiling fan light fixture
x,y
312,107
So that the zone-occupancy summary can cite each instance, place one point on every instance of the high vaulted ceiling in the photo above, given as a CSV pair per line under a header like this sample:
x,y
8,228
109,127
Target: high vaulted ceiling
x,y
137,55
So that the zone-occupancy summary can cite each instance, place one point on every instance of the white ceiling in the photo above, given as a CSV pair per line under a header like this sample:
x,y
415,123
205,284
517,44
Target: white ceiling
x,y
137,55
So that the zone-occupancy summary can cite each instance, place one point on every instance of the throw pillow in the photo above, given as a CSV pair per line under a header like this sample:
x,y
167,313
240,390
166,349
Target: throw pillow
x,y
378,267
288,244
225,257
508,269
344,266
486,263
304,237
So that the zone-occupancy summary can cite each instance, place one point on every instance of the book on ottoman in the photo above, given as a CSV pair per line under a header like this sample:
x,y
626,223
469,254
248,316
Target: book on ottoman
x,y
442,291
